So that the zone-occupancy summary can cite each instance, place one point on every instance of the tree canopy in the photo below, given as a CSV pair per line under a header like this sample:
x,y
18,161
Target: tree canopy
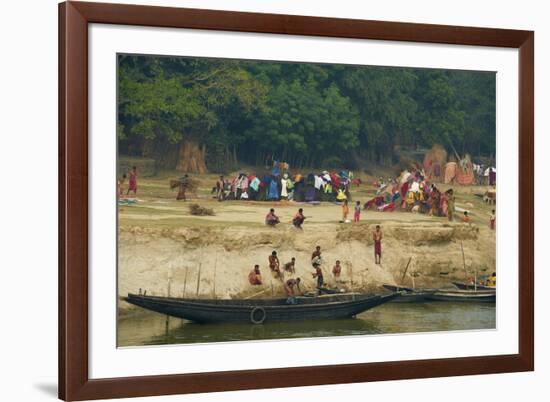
x,y
306,114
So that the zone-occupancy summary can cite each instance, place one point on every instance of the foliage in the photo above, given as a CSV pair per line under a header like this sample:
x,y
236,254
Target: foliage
x,y
305,114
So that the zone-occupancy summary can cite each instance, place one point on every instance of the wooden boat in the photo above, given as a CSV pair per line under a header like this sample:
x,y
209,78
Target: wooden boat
x,y
469,286
262,310
485,296
409,295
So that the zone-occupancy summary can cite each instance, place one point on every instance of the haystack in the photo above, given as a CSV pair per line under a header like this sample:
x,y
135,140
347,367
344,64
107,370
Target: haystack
x,y
196,209
435,160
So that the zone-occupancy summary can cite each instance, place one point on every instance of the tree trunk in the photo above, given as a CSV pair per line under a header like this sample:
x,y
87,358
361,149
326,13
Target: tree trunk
x,y
191,158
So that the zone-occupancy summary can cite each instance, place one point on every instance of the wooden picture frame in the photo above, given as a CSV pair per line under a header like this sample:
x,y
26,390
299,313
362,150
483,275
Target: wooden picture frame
x,y
74,381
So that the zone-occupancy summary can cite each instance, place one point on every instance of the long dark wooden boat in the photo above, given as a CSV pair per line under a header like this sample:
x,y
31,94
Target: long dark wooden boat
x,y
485,296
409,295
323,307
469,286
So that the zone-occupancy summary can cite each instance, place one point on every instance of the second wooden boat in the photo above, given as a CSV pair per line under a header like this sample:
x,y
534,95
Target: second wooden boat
x,y
485,296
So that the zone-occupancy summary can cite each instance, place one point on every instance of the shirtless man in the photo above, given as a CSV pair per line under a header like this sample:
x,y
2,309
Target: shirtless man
x,y
298,219
292,287
290,266
274,264
316,256
271,219
318,274
377,237
254,277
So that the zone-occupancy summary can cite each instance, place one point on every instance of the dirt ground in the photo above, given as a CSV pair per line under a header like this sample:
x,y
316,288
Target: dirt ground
x,y
165,250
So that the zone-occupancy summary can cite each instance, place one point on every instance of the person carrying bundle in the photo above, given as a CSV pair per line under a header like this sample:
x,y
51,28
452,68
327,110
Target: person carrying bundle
x,y
183,183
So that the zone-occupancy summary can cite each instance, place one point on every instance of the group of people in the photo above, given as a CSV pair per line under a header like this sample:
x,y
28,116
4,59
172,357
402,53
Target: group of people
x,y
271,219
413,192
292,284
279,184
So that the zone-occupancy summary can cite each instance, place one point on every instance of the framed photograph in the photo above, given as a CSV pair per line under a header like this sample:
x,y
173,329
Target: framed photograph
x,y
258,200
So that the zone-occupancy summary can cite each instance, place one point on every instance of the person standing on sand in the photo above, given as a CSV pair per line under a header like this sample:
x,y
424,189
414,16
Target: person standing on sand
x,y
132,181
254,277
450,204
220,188
357,212
274,264
492,220
377,237
345,211
120,183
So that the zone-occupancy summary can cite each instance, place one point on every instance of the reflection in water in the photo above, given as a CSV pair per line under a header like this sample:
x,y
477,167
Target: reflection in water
x,y
155,329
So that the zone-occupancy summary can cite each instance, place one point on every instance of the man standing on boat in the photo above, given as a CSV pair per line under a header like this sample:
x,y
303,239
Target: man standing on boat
x,y
377,237
319,275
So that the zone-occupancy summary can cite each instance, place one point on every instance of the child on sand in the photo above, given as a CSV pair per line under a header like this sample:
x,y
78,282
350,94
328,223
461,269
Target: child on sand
x,y
337,270
345,211
466,218
357,213
492,220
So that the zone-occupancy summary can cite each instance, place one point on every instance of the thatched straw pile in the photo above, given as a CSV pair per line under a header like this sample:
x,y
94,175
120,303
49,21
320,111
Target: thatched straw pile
x,y
436,154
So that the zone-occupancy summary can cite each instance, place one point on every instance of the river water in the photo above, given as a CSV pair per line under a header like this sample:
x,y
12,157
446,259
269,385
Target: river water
x,y
149,328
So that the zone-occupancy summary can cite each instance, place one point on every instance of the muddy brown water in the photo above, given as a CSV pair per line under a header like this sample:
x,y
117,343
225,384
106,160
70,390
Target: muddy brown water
x,y
149,328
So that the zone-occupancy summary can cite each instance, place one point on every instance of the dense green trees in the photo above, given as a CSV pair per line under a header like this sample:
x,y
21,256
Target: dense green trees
x,y
211,113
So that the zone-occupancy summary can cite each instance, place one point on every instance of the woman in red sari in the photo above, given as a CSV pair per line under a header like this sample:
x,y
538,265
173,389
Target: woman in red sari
x,y
132,181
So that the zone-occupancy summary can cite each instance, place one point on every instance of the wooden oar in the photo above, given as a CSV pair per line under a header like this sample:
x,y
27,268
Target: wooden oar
x,y
256,294
215,266
406,268
464,260
199,275
185,281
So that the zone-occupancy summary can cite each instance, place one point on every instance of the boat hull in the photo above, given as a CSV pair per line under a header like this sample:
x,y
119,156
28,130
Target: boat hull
x,y
409,295
467,286
412,297
464,296
260,311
